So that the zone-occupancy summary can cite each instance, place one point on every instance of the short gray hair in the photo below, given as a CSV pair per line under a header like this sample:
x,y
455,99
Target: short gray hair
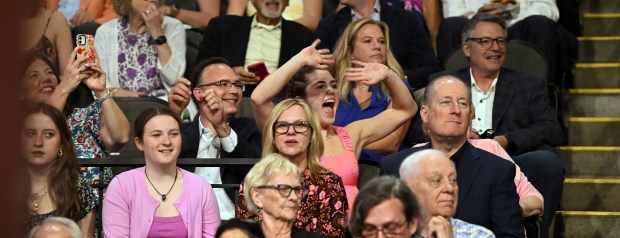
x,y
260,173
409,167
73,227
468,29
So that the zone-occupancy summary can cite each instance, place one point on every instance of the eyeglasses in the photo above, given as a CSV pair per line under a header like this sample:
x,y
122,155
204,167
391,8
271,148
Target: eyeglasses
x,y
225,84
286,190
487,42
298,127
388,230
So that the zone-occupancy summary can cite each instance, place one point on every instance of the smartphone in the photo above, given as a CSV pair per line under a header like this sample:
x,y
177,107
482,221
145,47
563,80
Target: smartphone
x,y
86,44
259,69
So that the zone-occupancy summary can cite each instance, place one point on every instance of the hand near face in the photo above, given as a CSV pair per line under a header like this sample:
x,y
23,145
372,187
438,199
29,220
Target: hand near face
x,y
153,20
367,73
245,76
96,81
213,111
318,59
440,227
179,96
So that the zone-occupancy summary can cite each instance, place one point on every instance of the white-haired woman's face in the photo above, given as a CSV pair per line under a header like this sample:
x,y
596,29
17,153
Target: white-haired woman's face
x,y
276,204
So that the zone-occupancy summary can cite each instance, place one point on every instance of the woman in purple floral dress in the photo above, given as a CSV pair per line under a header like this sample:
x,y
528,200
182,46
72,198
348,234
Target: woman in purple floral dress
x,y
95,129
142,51
293,131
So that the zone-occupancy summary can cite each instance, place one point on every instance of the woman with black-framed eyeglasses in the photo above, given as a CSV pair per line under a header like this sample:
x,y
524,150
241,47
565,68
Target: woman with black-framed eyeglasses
x,y
275,193
293,131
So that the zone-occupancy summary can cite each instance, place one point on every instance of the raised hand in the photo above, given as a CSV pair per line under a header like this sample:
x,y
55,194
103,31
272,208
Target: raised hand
x,y
319,59
213,107
440,227
96,81
179,96
366,73
73,72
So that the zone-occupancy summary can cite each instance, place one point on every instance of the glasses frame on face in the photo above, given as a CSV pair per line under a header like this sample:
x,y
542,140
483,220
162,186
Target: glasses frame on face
x,y
298,127
285,190
391,229
487,42
225,84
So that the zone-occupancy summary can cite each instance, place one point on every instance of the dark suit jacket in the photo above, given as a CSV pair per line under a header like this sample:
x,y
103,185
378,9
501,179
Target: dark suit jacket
x,y
227,36
521,111
248,146
409,41
487,192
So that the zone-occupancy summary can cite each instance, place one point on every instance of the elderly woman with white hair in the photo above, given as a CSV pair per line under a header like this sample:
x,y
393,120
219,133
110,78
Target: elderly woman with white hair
x,y
273,189
56,227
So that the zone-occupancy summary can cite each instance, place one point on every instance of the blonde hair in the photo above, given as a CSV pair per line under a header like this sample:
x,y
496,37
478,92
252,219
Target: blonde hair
x,y
315,148
344,54
261,172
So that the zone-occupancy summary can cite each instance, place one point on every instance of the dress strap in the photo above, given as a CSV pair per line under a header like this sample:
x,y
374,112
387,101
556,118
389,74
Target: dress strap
x,y
48,22
344,136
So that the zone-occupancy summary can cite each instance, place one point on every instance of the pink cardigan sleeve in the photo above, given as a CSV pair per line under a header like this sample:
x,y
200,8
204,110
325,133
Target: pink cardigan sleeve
x,y
210,212
524,187
116,211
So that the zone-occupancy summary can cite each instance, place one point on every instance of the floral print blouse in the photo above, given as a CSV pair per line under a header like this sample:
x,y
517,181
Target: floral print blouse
x,y
85,127
323,210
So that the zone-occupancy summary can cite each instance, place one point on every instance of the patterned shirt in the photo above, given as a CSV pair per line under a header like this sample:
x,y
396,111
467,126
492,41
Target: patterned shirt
x,y
85,127
323,210
467,230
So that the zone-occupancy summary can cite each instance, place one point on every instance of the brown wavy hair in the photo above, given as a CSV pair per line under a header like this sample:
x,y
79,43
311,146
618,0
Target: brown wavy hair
x,y
64,171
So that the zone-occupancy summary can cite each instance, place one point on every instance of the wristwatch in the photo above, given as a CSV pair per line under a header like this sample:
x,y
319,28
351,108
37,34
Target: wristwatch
x,y
161,40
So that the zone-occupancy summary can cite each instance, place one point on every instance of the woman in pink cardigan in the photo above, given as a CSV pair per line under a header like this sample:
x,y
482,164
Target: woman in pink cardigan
x,y
160,199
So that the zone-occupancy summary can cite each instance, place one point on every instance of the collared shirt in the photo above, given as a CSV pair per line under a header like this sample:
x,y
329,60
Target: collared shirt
x,y
209,148
68,8
375,14
264,45
483,103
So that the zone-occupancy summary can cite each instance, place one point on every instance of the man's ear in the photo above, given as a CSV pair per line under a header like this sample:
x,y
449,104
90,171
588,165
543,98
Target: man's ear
x,y
413,226
197,95
424,113
466,47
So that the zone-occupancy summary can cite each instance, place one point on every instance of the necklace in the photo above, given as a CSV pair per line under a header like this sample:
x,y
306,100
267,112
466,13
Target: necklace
x,y
163,196
35,198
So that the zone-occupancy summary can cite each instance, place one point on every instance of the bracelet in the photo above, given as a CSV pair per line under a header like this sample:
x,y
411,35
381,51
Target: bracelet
x,y
101,99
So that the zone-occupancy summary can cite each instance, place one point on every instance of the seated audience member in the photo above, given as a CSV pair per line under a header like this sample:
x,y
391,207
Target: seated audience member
x,y
492,203
430,11
385,205
47,33
534,21
410,43
265,37
305,12
275,193
84,16
235,228
142,50
57,227
160,199
217,133
366,40
293,131
193,13
313,83
95,129
431,175
56,187
515,107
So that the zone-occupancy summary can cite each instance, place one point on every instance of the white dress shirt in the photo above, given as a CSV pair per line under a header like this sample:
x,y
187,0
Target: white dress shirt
x,y
483,103
209,148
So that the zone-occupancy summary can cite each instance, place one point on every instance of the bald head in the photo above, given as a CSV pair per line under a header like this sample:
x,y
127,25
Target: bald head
x,y
430,88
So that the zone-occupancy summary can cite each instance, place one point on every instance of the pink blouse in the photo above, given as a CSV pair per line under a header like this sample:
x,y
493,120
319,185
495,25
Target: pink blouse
x,y
344,165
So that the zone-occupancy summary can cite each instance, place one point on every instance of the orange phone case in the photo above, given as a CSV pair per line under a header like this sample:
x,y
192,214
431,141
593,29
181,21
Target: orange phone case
x,y
86,44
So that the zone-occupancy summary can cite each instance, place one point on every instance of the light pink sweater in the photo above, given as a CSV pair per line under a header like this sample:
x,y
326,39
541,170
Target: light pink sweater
x,y
128,208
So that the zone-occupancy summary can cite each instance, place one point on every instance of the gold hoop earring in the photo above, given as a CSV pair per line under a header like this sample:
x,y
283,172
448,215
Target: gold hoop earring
x,y
59,154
